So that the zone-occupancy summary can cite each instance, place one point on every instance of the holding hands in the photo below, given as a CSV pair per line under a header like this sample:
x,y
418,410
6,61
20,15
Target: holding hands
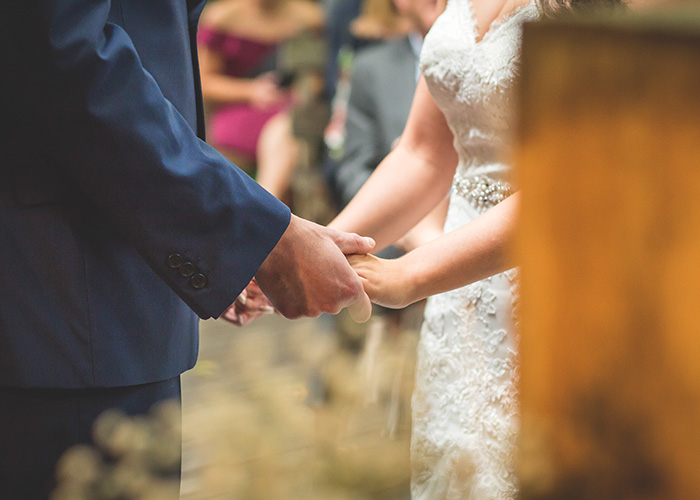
x,y
306,274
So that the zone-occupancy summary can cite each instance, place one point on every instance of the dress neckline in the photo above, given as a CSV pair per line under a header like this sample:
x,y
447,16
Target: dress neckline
x,y
495,24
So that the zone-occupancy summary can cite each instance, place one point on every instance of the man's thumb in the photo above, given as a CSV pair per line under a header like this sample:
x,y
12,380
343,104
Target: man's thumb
x,y
361,310
350,243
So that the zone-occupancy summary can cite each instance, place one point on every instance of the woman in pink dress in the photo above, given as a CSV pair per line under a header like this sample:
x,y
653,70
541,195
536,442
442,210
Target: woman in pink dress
x,y
248,119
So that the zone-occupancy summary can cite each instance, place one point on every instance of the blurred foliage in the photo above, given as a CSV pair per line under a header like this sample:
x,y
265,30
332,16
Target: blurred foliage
x,y
278,410
132,458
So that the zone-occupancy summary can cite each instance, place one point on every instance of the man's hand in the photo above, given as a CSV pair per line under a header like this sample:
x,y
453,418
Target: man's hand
x,y
307,273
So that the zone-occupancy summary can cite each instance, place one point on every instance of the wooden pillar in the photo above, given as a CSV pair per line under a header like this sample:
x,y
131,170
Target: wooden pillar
x,y
608,157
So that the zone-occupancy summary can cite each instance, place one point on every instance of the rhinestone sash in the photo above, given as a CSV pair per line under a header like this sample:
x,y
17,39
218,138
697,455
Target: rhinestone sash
x,y
481,191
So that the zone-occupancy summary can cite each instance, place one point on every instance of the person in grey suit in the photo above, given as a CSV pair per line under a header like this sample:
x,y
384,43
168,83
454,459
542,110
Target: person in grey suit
x,y
383,81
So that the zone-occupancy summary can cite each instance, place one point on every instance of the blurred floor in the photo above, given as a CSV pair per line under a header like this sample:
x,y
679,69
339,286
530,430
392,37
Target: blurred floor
x,y
312,409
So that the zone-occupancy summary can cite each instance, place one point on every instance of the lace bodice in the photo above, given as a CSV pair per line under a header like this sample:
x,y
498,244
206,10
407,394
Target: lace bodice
x,y
465,407
472,82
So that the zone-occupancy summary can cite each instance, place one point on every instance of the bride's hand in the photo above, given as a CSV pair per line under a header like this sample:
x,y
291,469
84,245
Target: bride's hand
x,y
387,282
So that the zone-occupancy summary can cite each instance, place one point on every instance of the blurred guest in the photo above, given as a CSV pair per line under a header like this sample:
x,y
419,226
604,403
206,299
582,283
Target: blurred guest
x,y
238,41
339,15
384,78
375,21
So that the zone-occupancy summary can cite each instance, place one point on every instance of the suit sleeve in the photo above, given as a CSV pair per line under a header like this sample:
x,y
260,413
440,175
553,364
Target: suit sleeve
x,y
361,153
113,133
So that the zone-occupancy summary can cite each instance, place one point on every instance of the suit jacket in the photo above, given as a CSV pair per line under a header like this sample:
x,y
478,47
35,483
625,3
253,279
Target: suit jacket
x,y
117,220
383,82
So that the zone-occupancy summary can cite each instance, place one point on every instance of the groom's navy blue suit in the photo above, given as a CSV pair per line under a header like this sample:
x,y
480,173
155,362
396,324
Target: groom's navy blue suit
x,y
116,220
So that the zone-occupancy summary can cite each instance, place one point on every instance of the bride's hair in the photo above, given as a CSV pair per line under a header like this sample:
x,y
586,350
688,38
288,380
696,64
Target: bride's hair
x,y
553,8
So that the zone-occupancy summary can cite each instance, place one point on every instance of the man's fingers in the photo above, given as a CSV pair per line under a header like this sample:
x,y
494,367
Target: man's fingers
x,y
361,310
350,243
307,274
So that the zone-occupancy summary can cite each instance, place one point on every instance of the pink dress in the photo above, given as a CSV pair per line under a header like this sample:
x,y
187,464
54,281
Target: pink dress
x,y
237,126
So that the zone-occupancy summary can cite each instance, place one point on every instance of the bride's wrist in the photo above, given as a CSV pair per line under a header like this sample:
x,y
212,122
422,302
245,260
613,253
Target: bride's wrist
x,y
415,277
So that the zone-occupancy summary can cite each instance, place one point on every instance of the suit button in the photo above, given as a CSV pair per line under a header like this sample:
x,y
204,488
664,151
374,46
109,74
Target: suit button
x,y
175,260
198,281
187,269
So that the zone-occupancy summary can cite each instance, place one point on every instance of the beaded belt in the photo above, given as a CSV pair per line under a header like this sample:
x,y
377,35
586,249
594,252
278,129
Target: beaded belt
x,y
481,191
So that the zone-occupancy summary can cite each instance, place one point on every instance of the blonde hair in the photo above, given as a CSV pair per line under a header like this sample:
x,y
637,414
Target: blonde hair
x,y
553,8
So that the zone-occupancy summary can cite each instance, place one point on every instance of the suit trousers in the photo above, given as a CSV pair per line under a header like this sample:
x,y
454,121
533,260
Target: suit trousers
x,y
38,425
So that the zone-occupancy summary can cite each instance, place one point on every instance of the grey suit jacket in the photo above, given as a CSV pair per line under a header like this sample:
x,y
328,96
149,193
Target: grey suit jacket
x,y
382,87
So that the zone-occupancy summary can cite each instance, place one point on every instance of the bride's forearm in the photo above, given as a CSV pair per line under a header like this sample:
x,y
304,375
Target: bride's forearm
x,y
410,181
473,252
401,191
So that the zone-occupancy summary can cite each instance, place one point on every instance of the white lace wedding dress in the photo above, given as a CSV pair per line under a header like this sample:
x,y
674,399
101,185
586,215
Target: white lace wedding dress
x,y
465,408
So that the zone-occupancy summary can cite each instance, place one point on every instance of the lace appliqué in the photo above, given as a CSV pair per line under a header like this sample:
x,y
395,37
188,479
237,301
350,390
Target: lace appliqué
x,y
465,401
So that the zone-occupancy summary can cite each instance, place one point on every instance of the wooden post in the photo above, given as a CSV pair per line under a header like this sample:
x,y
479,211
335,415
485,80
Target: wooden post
x,y
608,157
